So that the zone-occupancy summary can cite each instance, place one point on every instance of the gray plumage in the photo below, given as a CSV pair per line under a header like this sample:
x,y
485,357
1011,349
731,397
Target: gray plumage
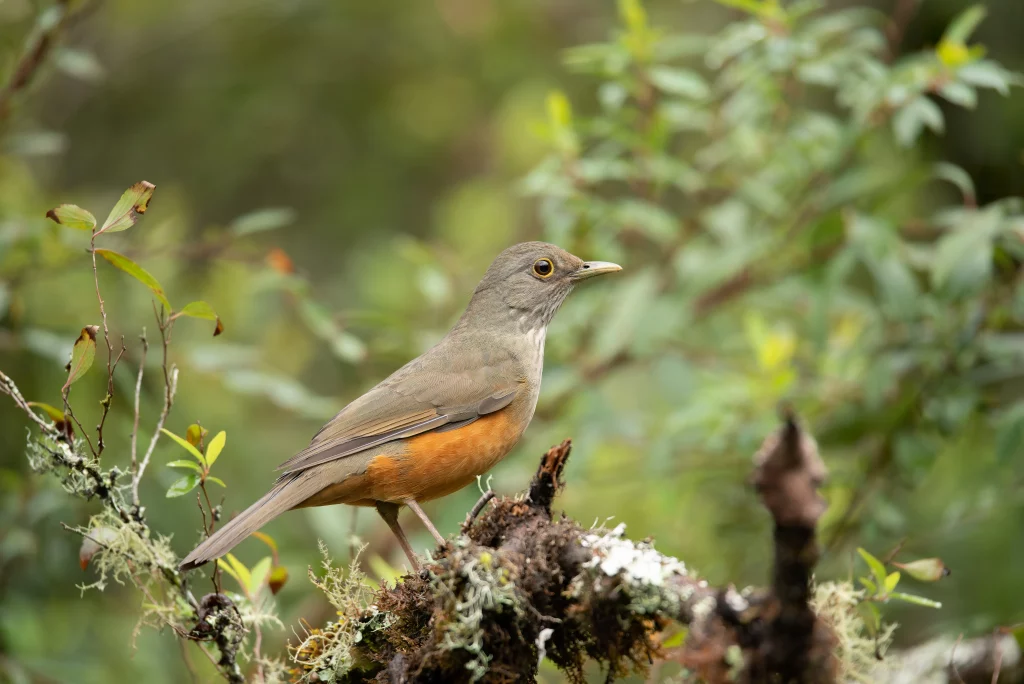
x,y
491,360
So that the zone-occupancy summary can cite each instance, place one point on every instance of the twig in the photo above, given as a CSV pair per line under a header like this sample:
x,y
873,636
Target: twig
x,y
998,657
477,507
8,387
105,403
170,387
902,14
952,658
32,58
135,420
65,394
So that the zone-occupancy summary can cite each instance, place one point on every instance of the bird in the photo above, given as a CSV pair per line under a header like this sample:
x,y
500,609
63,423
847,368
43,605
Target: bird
x,y
441,420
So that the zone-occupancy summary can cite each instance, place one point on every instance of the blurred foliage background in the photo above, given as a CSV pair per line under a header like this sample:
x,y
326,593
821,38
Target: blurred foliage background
x,y
335,177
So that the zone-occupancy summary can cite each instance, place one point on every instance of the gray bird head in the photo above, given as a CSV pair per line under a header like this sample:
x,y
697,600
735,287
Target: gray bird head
x,y
530,281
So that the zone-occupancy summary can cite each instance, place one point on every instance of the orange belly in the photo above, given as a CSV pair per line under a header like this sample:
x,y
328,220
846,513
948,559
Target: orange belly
x,y
438,463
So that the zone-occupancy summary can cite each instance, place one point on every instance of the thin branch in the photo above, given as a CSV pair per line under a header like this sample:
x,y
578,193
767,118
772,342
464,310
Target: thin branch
x,y
35,54
8,387
135,420
952,659
170,387
477,507
902,15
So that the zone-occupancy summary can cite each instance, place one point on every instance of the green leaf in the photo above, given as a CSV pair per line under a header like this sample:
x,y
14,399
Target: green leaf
x,y
190,465
215,447
224,565
186,446
891,580
200,309
676,639
82,354
260,574
877,568
679,82
916,600
958,177
53,413
216,480
262,220
72,216
909,120
961,28
988,74
925,569
241,573
195,434
125,264
129,208
869,585
960,94
962,263
183,486
871,616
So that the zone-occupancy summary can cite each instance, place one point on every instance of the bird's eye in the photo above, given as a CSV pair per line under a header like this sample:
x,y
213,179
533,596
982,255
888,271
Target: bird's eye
x,y
543,267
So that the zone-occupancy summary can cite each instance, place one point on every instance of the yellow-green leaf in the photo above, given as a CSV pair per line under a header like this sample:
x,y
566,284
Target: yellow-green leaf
x,y
129,208
260,575
216,480
195,434
925,569
916,600
191,465
186,446
125,264
52,412
183,486
241,573
278,577
82,354
226,567
215,447
891,580
202,310
877,568
72,216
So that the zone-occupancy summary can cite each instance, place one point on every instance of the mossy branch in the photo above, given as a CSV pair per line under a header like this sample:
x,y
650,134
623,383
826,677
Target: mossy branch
x,y
520,585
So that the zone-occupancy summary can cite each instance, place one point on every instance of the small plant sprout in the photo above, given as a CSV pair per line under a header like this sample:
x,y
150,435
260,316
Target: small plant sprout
x,y
200,467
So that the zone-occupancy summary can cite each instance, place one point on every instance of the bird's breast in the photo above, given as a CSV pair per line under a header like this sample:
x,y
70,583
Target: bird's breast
x,y
435,464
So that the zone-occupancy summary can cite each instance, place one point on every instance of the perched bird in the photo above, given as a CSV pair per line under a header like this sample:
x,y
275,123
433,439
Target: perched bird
x,y
440,420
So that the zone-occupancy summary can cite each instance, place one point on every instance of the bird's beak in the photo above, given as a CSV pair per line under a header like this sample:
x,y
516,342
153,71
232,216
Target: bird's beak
x,y
593,268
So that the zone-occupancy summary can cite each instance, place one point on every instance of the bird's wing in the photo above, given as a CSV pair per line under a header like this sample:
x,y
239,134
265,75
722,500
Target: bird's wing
x,y
435,391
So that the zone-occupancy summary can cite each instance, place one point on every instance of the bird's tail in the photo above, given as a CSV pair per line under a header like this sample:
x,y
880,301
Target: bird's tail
x,y
284,496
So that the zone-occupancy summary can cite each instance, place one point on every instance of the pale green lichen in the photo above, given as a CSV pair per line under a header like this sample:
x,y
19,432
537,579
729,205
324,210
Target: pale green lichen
x,y
476,586
856,651
326,654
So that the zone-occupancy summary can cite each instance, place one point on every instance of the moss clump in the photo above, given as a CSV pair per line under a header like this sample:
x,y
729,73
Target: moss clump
x,y
856,652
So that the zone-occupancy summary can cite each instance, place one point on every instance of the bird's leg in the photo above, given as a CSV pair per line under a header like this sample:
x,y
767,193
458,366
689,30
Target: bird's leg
x,y
389,512
421,514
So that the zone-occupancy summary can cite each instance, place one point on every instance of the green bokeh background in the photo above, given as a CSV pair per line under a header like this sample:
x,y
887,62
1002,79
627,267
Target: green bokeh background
x,y
398,133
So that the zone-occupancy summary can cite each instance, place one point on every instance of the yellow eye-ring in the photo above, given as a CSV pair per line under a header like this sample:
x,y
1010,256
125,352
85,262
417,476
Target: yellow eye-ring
x,y
543,268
